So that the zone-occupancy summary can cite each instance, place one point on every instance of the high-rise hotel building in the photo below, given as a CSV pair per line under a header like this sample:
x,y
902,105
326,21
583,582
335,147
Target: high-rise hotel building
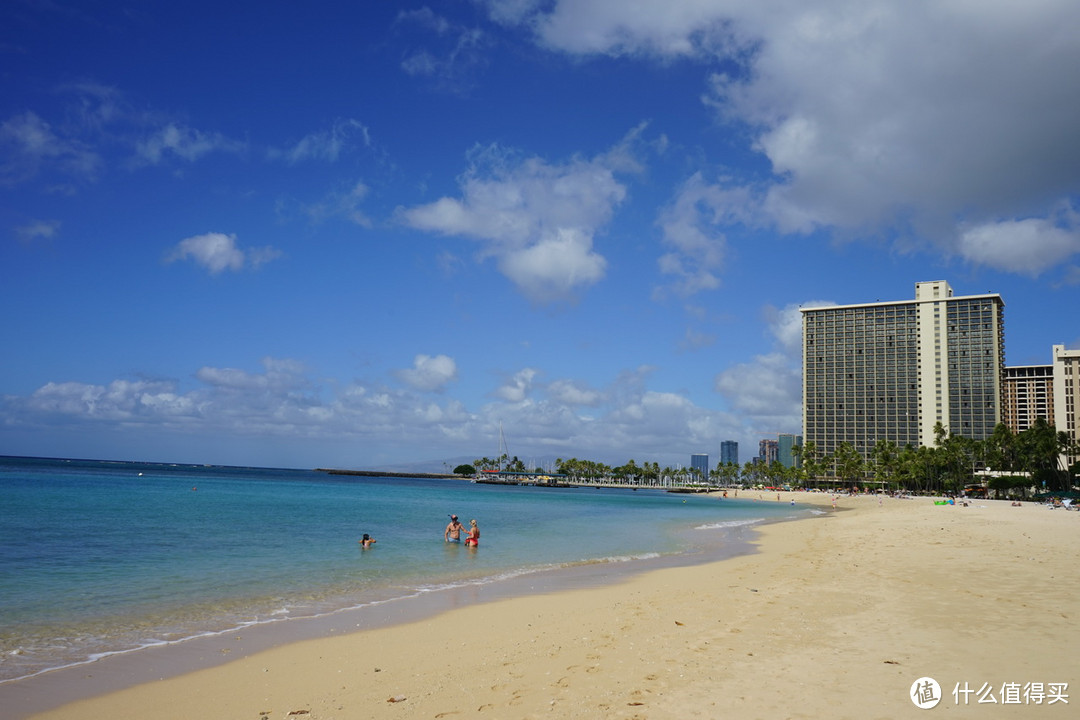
x,y
1027,394
1067,396
893,370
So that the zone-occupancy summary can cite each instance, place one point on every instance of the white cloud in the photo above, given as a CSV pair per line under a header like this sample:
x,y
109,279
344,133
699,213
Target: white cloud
x,y
692,230
767,390
183,142
1028,246
538,220
29,145
554,266
218,252
284,405
516,389
37,230
570,392
456,53
119,401
878,117
346,203
785,324
327,145
429,373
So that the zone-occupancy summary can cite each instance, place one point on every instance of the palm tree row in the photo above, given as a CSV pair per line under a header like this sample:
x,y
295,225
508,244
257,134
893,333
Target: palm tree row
x,y
1032,458
644,475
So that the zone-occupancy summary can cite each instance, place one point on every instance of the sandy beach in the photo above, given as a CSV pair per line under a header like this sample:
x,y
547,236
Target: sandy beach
x,y
834,617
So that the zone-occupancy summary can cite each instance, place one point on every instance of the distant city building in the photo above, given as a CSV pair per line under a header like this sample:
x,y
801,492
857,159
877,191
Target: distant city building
x,y
893,370
1027,394
769,451
785,445
700,465
729,452
1066,395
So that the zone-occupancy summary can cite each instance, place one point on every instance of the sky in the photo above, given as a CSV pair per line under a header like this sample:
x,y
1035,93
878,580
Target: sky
x,y
369,234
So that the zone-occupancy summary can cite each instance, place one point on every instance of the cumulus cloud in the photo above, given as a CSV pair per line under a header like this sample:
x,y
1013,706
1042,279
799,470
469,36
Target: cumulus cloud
x,y
767,391
693,233
885,118
538,220
516,389
218,252
120,400
1029,246
283,403
573,393
429,373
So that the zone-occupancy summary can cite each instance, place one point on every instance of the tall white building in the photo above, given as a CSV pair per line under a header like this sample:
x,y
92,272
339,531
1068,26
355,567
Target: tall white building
x,y
1067,394
893,370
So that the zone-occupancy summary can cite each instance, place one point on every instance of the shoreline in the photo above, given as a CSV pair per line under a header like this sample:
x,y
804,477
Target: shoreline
x,y
835,618
120,670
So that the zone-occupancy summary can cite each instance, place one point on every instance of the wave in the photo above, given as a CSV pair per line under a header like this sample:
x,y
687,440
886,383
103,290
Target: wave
x,y
730,524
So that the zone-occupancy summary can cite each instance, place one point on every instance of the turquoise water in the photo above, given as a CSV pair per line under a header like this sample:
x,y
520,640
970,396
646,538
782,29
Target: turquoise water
x,y
98,558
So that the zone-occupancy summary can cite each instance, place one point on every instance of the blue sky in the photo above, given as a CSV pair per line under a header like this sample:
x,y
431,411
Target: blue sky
x,y
365,234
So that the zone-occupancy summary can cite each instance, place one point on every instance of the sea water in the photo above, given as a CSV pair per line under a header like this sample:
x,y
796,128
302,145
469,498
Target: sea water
x,y
99,558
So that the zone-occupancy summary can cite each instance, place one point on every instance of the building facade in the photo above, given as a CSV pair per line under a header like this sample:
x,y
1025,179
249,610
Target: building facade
x,y
894,370
699,464
729,452
785,450
1027,393
769,451
1066,395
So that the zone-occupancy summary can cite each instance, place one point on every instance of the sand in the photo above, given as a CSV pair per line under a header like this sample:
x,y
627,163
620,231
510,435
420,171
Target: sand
x,y
834,617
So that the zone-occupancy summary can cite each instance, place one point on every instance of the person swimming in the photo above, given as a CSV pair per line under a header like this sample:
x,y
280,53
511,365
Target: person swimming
x,y
367,541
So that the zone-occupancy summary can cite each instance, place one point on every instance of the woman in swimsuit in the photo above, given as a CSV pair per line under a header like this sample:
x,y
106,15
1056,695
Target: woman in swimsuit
x,y
473,539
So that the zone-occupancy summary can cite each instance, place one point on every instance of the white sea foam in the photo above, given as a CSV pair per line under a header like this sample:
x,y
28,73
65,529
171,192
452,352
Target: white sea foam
x,y
730,524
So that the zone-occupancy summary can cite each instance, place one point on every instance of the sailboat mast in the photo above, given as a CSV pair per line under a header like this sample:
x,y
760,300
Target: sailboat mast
x,y
504,452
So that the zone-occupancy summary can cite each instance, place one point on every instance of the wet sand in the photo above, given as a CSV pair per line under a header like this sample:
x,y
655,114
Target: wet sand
x,y
833,618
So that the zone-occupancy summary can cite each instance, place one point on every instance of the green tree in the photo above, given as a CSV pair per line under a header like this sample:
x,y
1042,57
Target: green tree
x,y
850,466
727,474
1040,449
999,450
886,462
465,470
813,464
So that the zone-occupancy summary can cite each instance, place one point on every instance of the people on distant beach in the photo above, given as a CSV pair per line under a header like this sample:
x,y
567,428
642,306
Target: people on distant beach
x,y
366,541
453,530
473,540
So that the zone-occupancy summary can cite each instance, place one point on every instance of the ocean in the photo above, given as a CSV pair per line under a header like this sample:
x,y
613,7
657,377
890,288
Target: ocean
x,y
100,558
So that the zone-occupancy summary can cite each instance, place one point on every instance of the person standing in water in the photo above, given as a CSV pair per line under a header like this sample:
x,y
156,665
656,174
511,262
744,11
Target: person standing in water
x,y
473,540
367,541
453,530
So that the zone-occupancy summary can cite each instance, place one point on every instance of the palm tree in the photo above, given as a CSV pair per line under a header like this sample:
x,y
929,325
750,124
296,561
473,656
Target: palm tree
x,y
886,459
850,466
